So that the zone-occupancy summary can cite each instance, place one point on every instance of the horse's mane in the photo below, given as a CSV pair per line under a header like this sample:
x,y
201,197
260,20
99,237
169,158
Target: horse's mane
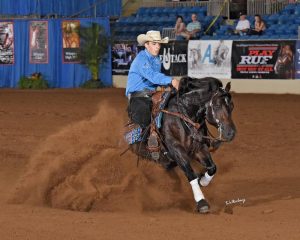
x,y
203,87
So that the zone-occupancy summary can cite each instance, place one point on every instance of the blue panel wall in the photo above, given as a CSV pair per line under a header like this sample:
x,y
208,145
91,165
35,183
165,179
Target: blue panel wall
x,y
56,72
60,7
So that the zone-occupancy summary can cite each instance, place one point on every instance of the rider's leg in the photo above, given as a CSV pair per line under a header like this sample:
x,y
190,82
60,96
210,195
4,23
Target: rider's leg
x,y
139,111
153,140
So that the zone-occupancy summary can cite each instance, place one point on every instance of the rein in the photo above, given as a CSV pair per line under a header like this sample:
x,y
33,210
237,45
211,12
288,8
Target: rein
x,y
183,117
195,125
214,141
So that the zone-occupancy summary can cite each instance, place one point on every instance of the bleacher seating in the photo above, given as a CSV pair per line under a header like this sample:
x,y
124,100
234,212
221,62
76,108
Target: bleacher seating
x,y
282,25
156,18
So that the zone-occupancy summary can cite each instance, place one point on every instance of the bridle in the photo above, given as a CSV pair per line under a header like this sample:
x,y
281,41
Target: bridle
x,y
219,123
213,140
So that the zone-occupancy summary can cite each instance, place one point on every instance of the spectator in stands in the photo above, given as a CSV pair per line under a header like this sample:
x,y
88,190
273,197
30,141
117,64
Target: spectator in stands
x,y
193,28
180,29
259,26
243,26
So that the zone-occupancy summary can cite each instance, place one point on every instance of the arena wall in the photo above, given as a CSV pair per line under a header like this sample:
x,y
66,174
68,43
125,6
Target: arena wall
x,y
242,85
49,56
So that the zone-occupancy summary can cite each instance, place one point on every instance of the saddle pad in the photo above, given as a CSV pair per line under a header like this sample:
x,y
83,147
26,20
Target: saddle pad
x,y
134,135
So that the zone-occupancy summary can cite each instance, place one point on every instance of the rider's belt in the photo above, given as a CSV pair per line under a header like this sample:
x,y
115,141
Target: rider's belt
x,y
146,94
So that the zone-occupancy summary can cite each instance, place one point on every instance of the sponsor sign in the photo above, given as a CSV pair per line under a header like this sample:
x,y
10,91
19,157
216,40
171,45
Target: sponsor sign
x,y
122,56
297,60
266,60
174,58
209,58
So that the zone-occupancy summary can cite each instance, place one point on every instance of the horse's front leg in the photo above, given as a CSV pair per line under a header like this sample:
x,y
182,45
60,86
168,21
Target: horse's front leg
x,y
205,159
183,161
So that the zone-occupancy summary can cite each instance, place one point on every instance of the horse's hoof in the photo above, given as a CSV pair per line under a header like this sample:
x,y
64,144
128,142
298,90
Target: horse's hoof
x,y
203,206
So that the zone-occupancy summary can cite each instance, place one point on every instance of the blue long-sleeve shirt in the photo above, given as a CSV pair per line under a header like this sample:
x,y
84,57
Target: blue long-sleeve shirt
x,y
145,73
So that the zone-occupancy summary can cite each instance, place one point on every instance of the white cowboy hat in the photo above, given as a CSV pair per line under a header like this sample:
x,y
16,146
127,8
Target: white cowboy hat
x,y
151,36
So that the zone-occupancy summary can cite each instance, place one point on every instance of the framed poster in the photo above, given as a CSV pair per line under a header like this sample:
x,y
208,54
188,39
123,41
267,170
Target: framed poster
x,y
71,41
7,43
38,42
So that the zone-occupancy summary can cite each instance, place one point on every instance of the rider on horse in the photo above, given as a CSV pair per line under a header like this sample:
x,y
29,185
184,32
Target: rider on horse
x,y
143,78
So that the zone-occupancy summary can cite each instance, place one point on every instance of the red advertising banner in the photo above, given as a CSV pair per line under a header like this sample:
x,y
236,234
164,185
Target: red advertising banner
x,y
71,41
38,42
7,43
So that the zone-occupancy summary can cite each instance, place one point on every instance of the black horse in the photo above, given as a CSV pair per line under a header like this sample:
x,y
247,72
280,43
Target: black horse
x,y
185,135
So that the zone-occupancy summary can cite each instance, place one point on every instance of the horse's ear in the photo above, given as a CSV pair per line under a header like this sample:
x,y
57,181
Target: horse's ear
x,y
183,85
228,86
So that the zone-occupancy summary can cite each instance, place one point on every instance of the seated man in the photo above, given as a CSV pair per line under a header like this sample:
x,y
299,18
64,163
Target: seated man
x,y
143,78
243,26
193,28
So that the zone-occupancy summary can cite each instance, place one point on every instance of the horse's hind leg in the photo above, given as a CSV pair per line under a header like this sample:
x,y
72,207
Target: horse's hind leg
x,y
180,156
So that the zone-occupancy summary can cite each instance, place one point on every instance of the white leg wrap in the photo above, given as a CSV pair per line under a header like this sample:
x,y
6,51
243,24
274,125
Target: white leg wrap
x,y
198,195
205,180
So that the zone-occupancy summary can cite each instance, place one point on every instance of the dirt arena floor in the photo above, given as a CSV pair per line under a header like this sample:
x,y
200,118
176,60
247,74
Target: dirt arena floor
x,y
62,177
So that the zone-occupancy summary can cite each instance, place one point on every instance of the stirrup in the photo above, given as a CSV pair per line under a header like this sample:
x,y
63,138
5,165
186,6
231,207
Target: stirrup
x,y
153,146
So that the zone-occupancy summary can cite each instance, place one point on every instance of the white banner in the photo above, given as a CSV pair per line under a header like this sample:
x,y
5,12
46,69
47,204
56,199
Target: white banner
x,y
211,58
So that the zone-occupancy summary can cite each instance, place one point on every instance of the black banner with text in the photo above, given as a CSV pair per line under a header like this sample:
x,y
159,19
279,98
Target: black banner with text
x,y
122,56
174,58
263,60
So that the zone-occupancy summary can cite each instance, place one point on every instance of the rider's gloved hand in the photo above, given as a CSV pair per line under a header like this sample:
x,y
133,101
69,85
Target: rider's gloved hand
x,y
175,83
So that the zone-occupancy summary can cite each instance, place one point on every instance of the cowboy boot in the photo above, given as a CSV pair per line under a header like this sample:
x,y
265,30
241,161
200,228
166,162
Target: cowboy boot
x,y
153,145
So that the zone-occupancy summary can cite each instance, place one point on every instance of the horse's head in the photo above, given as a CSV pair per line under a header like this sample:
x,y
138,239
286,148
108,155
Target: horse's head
x,y
218,113
207,97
